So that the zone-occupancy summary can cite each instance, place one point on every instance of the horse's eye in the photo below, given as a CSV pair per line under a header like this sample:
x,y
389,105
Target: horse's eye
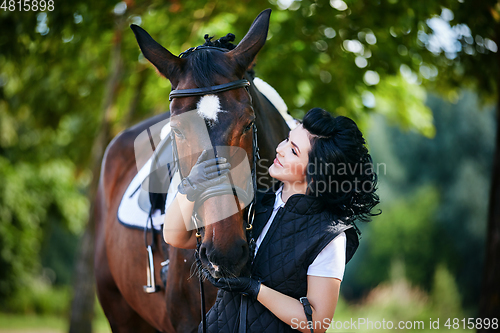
x,y
249,127
177,132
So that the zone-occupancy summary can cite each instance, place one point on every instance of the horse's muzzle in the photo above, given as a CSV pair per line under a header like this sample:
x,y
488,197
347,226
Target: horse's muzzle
x,y
224,263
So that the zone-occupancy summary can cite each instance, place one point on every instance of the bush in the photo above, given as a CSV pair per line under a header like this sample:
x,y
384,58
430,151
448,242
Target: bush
x,y
405,232
39,297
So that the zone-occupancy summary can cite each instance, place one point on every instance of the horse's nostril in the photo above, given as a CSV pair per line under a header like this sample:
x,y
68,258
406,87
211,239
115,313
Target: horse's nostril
x,y
203,253
244,254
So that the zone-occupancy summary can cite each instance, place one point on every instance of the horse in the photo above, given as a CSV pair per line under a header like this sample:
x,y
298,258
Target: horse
x,y
119,261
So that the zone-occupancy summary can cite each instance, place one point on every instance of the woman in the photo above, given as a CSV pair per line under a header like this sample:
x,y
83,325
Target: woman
x,y
304,230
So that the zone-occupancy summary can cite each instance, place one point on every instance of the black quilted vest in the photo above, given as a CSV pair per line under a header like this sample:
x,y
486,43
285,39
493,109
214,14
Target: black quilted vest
x,y
300,230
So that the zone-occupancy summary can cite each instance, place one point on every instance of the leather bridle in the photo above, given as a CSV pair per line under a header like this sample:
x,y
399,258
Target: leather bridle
x,y
208,90
221,189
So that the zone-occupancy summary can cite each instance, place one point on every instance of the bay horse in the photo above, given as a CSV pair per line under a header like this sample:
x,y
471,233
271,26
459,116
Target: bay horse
x,y
120,259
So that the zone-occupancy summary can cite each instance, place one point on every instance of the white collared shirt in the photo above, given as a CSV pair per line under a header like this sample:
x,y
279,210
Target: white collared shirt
x,y
330,262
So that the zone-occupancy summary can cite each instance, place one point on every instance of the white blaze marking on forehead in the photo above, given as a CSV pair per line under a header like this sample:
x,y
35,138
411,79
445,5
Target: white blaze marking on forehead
x,y
209,107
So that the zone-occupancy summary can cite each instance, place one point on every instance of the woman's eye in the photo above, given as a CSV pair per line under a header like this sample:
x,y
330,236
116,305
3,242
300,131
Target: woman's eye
x,y
293,149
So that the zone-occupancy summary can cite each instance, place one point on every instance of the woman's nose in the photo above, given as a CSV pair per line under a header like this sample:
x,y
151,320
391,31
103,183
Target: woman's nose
x,y
279,149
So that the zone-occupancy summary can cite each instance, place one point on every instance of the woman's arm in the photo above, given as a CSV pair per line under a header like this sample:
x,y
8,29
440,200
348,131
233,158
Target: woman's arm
x,y
322,293
177,229
177,218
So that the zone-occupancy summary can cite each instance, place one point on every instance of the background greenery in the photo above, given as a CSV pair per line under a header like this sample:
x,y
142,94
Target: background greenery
x,y
424,105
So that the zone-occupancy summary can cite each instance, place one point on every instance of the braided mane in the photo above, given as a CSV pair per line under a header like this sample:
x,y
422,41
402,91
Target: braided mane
x,y
223,42
203,59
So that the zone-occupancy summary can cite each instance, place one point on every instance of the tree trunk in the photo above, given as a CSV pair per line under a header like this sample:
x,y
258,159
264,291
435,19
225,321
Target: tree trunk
x,y
82,306
489,303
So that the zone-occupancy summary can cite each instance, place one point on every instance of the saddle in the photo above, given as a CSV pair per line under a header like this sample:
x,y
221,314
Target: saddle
x,y
150,192
155,187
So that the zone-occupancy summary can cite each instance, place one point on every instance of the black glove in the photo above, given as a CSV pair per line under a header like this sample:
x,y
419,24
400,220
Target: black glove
x,y
204,174
244,285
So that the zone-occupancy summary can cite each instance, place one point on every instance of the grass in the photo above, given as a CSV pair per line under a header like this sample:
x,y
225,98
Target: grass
x,y
398,303
36,323
16,323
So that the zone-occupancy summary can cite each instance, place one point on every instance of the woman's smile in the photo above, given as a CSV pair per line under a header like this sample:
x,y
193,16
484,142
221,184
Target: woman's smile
x,y
290,162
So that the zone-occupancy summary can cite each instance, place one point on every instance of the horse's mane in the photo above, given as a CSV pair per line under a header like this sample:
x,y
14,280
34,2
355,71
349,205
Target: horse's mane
x,y
223,42
203,59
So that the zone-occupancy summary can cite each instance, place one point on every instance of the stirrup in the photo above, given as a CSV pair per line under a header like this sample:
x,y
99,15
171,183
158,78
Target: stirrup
x,y
151,287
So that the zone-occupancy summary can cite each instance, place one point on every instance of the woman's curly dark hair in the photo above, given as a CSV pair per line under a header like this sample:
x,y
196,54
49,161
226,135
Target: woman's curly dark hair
x,y
340,169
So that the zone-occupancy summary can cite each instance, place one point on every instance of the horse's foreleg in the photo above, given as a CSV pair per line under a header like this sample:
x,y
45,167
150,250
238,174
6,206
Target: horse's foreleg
x,y
122,318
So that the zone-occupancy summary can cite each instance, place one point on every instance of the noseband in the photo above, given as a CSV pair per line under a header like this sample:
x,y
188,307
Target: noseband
x,y
221,189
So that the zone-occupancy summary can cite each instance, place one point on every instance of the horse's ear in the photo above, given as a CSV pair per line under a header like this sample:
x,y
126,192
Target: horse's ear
x,y
250,45
165,62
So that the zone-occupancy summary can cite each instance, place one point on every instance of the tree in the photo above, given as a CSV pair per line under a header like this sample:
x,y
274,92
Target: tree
x,y
434,200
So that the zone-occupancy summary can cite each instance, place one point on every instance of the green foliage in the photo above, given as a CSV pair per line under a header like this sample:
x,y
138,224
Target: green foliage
x,y
396,297
445,295
39,297
434,196
28,195
32,323
397,300
401,103
41,308
58,253
406,231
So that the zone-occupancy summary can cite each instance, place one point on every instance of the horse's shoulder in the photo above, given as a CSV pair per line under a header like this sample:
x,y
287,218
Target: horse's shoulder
x,y
120,157
123,143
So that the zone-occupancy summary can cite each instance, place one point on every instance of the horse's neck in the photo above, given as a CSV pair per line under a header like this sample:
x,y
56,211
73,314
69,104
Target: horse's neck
x,y
264,107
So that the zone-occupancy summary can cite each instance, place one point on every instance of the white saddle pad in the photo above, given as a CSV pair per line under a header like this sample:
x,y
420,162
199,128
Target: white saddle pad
x,y
129,212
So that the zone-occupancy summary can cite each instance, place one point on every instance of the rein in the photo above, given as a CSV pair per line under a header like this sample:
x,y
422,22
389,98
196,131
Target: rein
x,y
221,189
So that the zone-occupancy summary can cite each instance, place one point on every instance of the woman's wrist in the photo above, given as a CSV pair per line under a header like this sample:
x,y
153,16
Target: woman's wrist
x,y
262,290
175,229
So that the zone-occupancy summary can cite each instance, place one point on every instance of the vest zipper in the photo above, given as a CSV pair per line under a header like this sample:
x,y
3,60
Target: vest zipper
x,y
270,232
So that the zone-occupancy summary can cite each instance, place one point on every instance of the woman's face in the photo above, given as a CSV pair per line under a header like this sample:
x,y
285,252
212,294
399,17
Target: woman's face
x,y
292,156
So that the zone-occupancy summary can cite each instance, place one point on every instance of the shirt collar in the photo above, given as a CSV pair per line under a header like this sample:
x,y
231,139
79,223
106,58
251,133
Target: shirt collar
x,y
298,203
278,202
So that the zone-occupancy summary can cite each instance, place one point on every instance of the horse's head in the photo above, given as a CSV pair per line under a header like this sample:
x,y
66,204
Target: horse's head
x,y
227,118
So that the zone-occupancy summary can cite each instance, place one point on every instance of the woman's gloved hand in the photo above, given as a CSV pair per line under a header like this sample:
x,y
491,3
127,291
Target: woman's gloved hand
x,y
244,285
204,174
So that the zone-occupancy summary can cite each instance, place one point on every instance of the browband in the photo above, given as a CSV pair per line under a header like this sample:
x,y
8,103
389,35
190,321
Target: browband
x,y
208,90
